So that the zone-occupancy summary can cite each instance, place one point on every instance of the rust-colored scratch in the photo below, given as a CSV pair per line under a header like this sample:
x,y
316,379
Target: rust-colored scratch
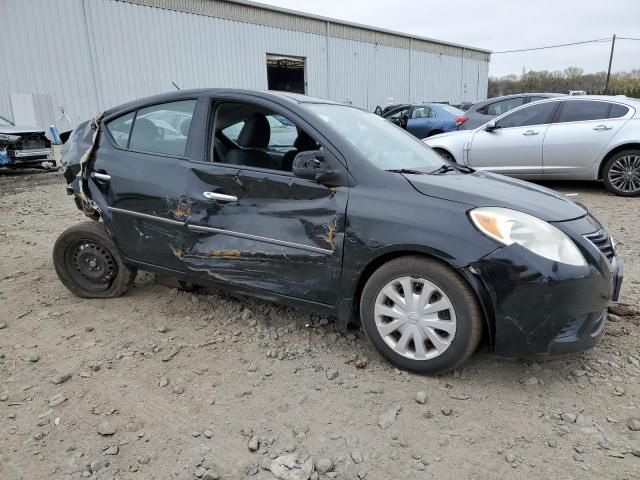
x,y
183,208
335,189
176,252
225,253
219,277
331,233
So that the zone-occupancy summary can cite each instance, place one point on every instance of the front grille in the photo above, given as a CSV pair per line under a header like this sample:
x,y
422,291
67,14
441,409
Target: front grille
x,y
31,141
603,241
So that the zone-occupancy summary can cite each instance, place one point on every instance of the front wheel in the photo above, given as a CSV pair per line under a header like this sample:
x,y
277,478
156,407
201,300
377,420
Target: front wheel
x,y
420,315
621,173
88,263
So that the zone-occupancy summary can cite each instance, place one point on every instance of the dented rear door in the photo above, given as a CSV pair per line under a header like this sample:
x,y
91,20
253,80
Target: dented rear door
x,y
139,181
274,232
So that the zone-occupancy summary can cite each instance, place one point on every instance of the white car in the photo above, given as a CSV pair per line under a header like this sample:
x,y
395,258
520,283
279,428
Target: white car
x,y
562,138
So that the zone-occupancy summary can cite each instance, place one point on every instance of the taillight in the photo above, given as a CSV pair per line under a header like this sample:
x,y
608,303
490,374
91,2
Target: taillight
x,y
460,120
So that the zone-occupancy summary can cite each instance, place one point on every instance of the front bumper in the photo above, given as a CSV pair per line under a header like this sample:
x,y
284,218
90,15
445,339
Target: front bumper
x,y
543,308
27,158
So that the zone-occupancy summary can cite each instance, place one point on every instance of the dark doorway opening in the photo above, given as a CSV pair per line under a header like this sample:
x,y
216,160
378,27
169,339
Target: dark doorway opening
x,y
286,73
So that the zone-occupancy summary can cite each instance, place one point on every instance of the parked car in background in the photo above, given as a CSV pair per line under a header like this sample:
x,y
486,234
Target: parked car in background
x,y
424,120
24,147
445,254
569,137
481,112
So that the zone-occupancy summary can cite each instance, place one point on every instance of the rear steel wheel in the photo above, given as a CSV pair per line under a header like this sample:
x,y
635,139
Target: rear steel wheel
x,y
622,173
91,264
88,263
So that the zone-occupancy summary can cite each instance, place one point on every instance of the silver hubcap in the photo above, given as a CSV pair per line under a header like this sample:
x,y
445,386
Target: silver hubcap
x,y
415,318
624,174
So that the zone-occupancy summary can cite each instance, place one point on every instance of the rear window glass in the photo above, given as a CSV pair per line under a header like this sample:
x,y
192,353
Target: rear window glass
x,y
453,110
618,111
163,128
582,110
120,128
503,106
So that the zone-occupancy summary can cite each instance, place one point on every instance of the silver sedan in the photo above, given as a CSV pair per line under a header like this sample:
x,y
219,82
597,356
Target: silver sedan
x,y
563,138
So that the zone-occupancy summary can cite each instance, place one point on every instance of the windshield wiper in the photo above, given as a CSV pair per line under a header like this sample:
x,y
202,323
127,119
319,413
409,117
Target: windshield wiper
x,y
444,168
450,168
407,171
465,168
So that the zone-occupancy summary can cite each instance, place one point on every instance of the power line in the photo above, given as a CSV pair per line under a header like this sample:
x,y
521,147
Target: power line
x,y
599,40
628,38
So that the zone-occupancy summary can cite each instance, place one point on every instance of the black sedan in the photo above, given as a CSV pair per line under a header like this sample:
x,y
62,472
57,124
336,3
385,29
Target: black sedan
x,y
329,208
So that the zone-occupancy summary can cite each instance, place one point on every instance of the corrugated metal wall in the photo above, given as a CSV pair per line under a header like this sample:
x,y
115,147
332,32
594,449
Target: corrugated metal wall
x,y
93,54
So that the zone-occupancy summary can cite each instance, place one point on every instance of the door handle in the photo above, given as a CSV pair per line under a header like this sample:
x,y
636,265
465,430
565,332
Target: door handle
x,y
530,133
101,176
219,196
601,128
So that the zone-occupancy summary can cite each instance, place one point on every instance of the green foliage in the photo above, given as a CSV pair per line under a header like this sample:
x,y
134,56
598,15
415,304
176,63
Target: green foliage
x,y
572,78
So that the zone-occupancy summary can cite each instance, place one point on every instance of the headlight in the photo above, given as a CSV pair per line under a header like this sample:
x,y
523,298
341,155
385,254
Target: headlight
x,y
510,226
9,138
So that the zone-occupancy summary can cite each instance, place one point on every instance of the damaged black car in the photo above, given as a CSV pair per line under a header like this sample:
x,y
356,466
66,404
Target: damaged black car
x,y
329,208
24,147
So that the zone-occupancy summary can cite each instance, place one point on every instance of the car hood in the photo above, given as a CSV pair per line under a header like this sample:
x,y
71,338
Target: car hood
x,y
483,189
13,129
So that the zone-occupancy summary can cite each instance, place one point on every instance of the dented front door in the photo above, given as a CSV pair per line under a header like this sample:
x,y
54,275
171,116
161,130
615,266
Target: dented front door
x,y
265,230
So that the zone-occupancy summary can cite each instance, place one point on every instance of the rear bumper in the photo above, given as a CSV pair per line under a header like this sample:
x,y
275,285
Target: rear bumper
x,y
542,308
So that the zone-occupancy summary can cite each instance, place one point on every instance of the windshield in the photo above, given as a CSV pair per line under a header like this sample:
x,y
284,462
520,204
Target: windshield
x,y
385,145
5,123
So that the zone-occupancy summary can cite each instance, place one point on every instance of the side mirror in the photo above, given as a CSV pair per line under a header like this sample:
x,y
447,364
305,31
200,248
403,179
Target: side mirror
x,y
378,110
314,165
490,126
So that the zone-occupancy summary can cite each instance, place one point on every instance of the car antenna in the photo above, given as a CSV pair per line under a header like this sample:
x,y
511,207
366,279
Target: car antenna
x,y
177,87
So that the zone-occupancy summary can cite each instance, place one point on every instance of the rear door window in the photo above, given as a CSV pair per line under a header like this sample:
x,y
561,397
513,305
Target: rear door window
x,y
583,110
163,128
422,112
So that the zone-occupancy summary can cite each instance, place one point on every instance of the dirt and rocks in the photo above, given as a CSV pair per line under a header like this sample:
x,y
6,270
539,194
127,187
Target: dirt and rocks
x,y
163,384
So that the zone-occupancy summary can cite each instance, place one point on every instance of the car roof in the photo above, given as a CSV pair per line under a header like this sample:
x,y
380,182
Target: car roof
x,y
488,101
634,102
182,94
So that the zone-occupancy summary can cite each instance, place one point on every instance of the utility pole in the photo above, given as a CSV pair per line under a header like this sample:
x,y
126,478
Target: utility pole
x,y
613,44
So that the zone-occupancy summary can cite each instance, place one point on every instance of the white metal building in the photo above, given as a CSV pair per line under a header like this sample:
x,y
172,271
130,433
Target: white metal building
x,y
87,55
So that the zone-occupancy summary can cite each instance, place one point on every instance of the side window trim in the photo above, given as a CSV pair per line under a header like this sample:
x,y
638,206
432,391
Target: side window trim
x,y
133,122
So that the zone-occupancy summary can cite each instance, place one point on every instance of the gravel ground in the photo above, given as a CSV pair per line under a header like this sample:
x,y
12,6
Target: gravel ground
x,y
161,384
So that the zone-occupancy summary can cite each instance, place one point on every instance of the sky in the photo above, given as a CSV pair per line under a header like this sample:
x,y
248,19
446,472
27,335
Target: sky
x,y
499,25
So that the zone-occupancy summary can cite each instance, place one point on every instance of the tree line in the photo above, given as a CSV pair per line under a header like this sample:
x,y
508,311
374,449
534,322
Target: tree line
x,y
572,78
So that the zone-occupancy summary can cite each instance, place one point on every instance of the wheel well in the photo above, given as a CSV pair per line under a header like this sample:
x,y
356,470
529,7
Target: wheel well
x,y
382,259
439,149
626,146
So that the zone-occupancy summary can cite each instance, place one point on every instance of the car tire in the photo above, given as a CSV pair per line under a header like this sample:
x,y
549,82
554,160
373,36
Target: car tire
x,y
444,154
616,167
463,319
89,264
